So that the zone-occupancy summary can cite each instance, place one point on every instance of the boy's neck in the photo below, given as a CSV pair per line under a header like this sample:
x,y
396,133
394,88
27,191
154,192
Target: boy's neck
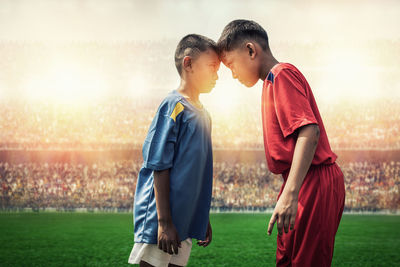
x,y
188,91
267,63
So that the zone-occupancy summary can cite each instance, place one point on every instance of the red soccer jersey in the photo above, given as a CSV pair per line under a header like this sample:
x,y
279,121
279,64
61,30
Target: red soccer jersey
x,y
288,104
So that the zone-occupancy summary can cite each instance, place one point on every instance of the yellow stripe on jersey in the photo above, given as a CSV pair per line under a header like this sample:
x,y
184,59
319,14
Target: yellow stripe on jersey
x,y
178,109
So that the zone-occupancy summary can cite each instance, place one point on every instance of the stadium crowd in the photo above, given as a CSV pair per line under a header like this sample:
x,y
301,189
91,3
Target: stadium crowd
x,y
110,186
120,122
123,124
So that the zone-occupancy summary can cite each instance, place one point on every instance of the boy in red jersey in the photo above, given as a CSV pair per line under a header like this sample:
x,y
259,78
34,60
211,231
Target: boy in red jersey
x,y
311,200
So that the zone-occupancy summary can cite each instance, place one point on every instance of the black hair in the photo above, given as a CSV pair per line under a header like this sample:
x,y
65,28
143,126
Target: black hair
x,y
239,31
192,45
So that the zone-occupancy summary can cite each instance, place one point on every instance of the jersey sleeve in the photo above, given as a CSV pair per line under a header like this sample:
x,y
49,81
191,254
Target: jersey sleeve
x,y
292,105
159,145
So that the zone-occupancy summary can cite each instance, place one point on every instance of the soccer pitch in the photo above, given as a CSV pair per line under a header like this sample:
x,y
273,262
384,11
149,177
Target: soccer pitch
x,y
100,239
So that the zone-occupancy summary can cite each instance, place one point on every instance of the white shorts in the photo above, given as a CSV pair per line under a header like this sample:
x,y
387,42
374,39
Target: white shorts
x,y
151,254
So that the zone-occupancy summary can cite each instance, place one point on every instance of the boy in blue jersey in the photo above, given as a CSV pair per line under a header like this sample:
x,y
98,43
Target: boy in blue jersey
x,y
173,192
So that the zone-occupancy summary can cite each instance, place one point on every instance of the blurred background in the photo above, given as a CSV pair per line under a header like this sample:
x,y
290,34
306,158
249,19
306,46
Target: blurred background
x,y
80,82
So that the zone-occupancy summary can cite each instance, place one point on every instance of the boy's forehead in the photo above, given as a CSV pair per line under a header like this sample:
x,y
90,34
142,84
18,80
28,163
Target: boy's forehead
x,y
209,54
227,56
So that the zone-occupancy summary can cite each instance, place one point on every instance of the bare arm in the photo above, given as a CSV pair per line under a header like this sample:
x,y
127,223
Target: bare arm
x,y
168,239
161,190
304,151
286,207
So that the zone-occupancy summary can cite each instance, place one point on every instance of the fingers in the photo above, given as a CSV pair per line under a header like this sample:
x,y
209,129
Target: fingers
x,y
207,241
175,246
292,221
283,223
169,247
178,241
169,243
204,243
165,245
160,244
271,223
280,220
286,223
279,223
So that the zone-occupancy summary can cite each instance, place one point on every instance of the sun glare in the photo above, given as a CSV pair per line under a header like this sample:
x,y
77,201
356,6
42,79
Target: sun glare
x,y
66,84
229,96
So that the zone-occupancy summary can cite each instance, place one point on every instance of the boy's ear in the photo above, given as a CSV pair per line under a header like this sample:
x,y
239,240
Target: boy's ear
x,y
187,63
251,49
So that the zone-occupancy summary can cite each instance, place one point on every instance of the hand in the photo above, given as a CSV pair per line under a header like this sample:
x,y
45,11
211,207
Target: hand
x,y
168,238
284,213
205,243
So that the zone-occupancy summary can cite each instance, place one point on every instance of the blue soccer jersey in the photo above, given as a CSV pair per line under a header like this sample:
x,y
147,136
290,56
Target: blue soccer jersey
x,y
179,139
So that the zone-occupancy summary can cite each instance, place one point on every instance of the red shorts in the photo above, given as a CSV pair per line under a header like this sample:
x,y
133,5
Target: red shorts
x,y
320,208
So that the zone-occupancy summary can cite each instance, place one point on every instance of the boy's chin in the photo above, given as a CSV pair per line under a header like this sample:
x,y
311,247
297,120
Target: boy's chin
x,y
207,90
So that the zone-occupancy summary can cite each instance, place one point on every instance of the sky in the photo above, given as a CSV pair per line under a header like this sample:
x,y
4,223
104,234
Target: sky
x,y
156,19
343,22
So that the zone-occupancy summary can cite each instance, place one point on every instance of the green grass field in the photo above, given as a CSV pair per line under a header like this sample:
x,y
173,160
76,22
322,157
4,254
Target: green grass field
x,y
75,239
